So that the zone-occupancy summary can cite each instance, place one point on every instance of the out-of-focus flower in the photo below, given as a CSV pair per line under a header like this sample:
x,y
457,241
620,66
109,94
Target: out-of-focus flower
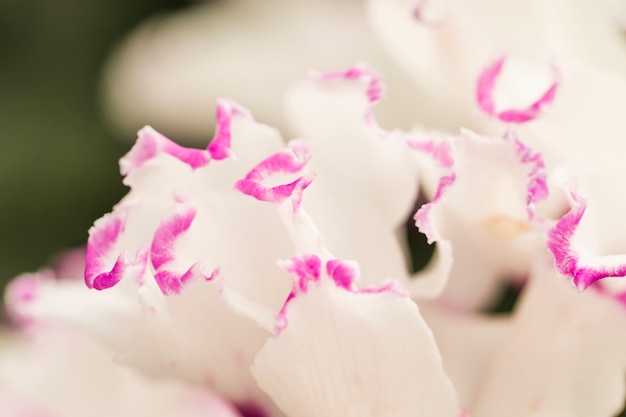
x,y
172,68
47,369
445,44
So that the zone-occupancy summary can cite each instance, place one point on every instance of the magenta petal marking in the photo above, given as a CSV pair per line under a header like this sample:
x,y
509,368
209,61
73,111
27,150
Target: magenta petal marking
x,y
422,217
171,282
344,273
374,92
289,161
439,151
375,88
390,287
305,269
485,88
151,143
219,148
108,279
102,238
163,250
537,187
619,297
567,259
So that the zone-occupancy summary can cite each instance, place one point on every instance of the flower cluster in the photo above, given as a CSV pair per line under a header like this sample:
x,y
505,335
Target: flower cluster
x,y
255,277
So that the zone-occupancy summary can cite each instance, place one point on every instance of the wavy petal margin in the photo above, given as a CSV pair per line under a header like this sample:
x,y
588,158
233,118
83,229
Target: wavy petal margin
x,y
99,273
375,89
163,252
288,161
356,352
584,270
472,213
151,143
485,91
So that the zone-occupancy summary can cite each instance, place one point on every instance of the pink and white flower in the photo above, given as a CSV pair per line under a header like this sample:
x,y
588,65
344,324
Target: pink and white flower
x,y
270,278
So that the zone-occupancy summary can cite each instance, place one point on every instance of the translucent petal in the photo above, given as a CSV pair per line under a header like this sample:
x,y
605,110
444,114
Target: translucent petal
x,y
484,208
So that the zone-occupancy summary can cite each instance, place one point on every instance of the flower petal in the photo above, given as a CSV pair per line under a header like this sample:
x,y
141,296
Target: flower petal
x,y
563,241
99,388
102,238
485,92
205,261
467,343
198,333
358,353
366,179
588,106
484,208
551,363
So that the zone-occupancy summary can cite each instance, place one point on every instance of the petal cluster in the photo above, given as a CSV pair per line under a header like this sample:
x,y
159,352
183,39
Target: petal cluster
x,y
258,277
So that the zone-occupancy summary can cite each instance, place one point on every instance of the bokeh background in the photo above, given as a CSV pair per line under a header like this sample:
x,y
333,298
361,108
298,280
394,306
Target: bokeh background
x,y
58,155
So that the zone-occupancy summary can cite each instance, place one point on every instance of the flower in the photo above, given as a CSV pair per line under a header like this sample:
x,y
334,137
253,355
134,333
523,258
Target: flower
x,y
270,275
445,47
185,286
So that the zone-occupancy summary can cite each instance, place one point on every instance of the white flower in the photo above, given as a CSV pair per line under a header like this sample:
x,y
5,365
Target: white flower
x,y
512,58
273,274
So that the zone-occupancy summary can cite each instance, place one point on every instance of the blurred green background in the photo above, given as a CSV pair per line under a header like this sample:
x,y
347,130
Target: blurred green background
x,y
58,158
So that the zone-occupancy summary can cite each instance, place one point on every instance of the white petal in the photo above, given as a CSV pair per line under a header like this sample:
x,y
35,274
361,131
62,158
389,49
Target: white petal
x,y
447,53
467,343
564,356
184,260
354,353
366,182
58,373
588,105
485,209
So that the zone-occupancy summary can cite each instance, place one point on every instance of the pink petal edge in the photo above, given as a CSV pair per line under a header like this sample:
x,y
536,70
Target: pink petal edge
x,y
219,148
163,251
151,143
375,89
537,188
567,258
307,270
485,88
102,239
288,161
